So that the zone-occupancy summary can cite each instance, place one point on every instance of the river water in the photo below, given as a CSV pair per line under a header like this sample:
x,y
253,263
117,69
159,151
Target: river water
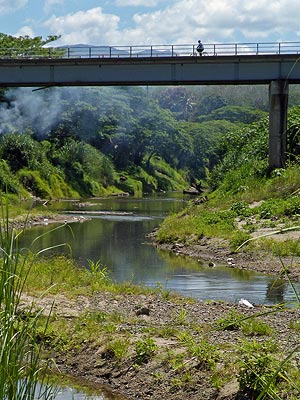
x,y
116,233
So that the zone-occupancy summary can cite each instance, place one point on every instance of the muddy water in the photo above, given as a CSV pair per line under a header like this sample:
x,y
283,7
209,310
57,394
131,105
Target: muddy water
x,y
116,233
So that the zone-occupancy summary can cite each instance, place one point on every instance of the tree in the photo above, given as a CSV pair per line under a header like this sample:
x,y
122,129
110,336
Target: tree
x,y
21,151
235,114
209,103
12,46
179,100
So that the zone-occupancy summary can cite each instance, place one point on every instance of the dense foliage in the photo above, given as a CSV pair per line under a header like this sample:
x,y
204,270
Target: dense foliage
x,y
11,46
244,162
70,142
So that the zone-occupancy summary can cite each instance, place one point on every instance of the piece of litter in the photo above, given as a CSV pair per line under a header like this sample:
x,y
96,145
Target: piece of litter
x,y
244,302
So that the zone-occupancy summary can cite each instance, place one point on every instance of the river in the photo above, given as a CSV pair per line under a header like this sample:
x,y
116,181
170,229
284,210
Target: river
x,y
116,233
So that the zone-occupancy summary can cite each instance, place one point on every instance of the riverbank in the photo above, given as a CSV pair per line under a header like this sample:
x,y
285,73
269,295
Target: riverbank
x,y
27,221
153,344
235,235
214,251
156,345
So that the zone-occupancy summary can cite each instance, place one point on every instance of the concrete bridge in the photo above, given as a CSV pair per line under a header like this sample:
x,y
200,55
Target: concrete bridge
x,y
275,64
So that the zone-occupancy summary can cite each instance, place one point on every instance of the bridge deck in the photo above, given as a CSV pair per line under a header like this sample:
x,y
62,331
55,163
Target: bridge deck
x,y
183,70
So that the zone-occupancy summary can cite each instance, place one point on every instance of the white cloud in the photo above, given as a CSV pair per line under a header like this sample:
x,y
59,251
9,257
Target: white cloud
x,y
25,31
91,26
50,4
144,3
8,6
184,21
219,20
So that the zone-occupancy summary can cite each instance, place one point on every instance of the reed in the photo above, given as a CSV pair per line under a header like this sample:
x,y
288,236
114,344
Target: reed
x,y
22,374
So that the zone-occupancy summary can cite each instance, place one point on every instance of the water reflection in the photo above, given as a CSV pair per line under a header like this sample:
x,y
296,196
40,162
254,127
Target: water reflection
x,y
116,234
70,393
81,389
73,394
276,291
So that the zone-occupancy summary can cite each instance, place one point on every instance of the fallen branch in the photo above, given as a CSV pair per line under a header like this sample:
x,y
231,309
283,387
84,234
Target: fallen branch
x,y
283,230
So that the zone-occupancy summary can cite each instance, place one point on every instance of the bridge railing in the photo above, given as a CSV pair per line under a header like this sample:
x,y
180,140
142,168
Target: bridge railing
x,y
178,50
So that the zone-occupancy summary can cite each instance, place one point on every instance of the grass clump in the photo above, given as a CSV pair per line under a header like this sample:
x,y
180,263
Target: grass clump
x,y
232,321
21,371
192,226
119,347
205,354
144,349
248,325
258,369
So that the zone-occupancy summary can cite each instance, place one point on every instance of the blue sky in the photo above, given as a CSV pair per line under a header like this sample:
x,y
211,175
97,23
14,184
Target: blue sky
x,y
140,22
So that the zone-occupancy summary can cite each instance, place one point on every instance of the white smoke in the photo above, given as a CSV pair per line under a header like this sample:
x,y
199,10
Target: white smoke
x,y
41,110
38,110
29,109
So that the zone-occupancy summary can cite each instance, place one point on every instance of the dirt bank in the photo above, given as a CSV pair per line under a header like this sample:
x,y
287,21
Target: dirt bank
x,y
45,219
213,251
183,352
175,370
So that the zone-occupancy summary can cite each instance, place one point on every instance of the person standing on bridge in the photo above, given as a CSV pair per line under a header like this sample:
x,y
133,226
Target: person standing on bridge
x,y
200,48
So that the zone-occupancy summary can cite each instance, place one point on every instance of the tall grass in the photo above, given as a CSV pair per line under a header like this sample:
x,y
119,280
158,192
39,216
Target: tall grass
x,y
22,375
268,379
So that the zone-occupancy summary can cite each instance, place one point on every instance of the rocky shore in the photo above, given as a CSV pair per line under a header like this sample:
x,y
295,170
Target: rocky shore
x,y
213,251
173,371
190,356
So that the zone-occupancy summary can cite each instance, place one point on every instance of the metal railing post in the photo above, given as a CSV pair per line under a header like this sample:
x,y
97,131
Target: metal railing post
x,y
219,49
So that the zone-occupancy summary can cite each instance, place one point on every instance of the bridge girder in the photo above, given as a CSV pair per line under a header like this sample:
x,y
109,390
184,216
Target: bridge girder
x,y
276,70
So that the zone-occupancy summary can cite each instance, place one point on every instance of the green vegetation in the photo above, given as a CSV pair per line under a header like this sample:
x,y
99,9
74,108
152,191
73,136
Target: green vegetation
x,y
258,366
94,317
25,46
21,371
250,326
101,141
246,197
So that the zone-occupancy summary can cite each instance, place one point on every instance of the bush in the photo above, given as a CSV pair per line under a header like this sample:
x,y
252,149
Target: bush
x,y
32,181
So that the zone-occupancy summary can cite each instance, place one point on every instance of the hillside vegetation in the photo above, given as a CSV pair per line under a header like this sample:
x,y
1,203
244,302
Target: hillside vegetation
x,y
246,199
79,142
145,343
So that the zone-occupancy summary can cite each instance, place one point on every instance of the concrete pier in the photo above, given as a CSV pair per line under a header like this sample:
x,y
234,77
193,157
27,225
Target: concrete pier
x,y
276,70
278,100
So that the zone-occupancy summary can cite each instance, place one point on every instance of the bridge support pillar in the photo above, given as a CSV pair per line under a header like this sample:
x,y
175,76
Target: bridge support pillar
x,y
278,101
